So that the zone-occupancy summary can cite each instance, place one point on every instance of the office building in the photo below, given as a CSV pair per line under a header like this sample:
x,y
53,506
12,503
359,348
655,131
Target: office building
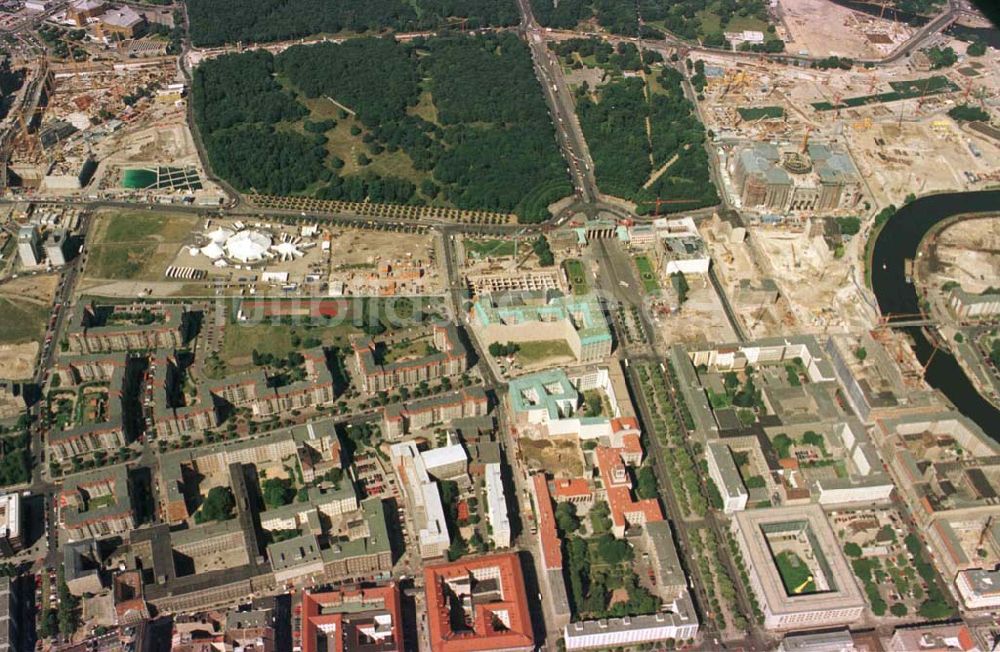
x,y
489,595
29,246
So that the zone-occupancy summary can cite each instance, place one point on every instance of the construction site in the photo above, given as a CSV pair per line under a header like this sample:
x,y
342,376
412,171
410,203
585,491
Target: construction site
x,y
183,254
890,122
820,28
107,121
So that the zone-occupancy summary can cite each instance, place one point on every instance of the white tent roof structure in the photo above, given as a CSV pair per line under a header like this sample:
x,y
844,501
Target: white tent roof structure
x,y
213,251
248,246
220,235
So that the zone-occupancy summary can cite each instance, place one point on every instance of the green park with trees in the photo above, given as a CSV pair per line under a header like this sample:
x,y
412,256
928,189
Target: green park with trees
x,y
461,118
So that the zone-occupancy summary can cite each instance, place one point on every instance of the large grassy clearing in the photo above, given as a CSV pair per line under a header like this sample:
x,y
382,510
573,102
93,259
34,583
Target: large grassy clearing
x,y
136,246
489,248
710,23
531,353
21,321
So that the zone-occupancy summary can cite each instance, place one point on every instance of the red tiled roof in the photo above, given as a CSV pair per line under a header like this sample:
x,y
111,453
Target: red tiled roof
x,y
566,488
965,638
620,501
313,620
551,545
624,423
632,444
483,636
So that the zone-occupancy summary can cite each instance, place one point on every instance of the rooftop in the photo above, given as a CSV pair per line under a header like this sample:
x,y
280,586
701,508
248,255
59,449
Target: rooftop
x,y
478,604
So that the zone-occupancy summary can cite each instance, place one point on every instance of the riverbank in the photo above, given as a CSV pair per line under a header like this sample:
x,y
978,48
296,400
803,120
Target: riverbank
x,y
958,252
899,239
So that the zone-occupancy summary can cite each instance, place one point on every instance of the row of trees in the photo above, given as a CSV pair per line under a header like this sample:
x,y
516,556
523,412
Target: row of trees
x,y
215,22
681,17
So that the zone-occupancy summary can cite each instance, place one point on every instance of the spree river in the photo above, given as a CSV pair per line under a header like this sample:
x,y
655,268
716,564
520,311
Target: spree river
x,y
899,240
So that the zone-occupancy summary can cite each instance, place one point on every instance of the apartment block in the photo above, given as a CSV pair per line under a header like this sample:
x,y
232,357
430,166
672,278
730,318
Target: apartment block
x,y
378,375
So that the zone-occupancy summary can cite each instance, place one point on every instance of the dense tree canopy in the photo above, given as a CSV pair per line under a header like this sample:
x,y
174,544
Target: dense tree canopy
x,y
240,88
347,72
492,146
680,17
215,22
218,506
625,155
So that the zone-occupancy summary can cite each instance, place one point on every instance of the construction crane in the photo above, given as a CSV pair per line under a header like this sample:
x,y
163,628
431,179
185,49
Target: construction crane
x,y
863,125
986,529
805,139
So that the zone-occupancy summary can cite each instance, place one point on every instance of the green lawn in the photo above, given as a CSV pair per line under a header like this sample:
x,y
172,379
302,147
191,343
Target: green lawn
x,y
21,321
646,274
535,352
489,248
795,575
758,112
577,276
136,245
710,23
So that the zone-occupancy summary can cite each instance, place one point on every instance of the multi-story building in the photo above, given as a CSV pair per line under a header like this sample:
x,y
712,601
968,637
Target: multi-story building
x,y
818,179
80,11
681,248
55,247
978,588
422,498
726,476
761,182
12,635
678,624
106,436
967,305
540,280
377,375
29,247
545,316
252,391
352,620
86,440
139,327
171,417
496,506
550,549
96,504
573,490
278,445
122,23
491,595
401,418
100,367
11,521
550,403
616,488
797,535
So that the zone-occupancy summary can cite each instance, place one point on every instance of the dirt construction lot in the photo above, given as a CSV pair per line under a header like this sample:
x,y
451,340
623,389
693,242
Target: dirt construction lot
x,y
822,29
559,456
